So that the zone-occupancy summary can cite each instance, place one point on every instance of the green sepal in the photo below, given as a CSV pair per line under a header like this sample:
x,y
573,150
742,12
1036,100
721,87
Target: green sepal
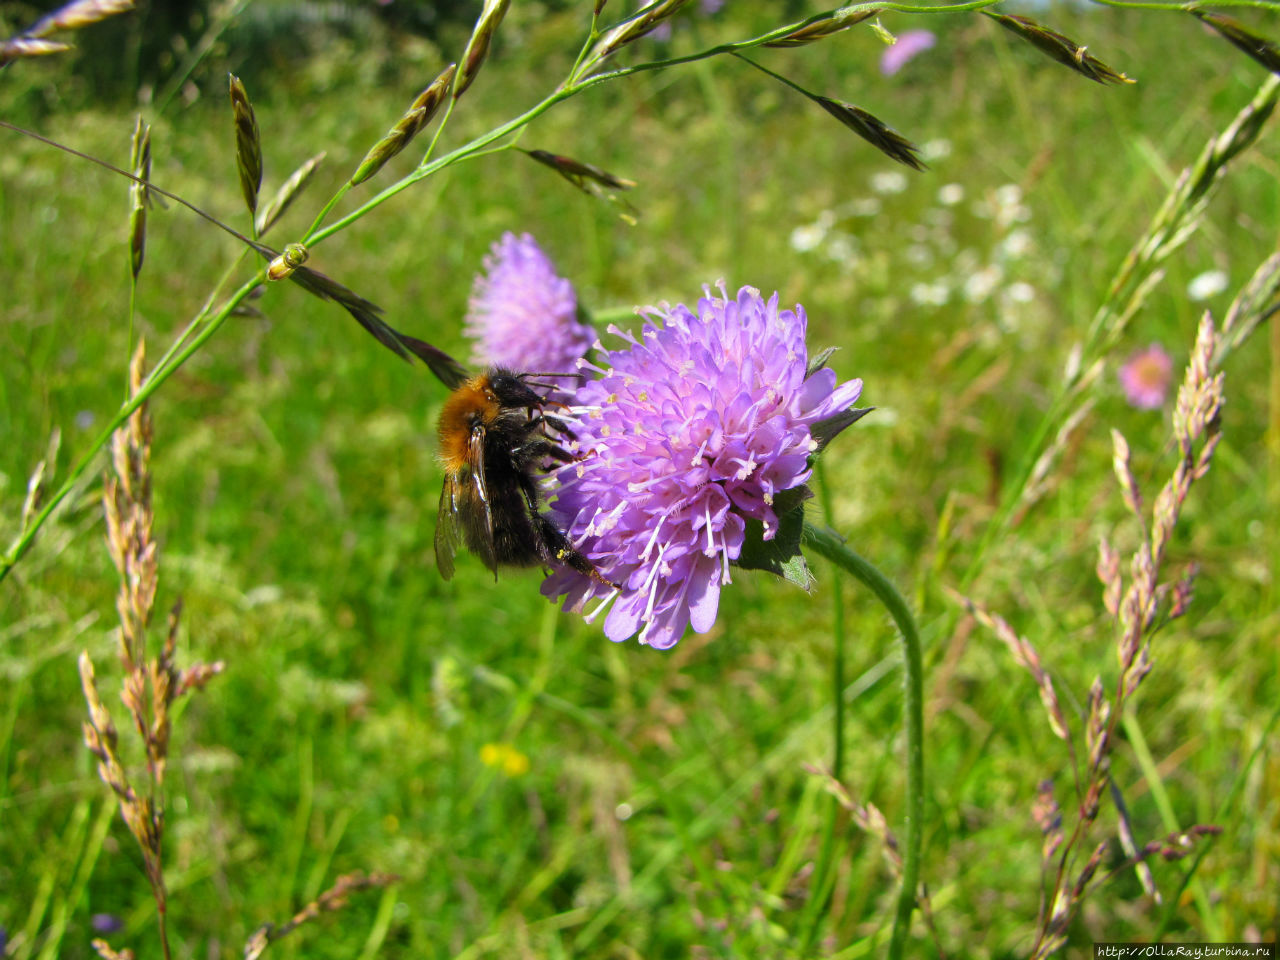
x,y
824,431
781,555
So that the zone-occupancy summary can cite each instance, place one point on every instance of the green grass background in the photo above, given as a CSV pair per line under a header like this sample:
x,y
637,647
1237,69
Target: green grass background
x,y
296,485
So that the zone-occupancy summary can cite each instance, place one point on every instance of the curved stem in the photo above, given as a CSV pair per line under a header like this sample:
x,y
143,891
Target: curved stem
x,y
829,545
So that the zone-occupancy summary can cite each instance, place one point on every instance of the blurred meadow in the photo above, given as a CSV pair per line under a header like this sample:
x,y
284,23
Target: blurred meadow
x,y
538,790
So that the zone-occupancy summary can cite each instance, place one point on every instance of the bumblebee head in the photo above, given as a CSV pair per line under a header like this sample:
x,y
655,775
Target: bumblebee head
x,y
512,391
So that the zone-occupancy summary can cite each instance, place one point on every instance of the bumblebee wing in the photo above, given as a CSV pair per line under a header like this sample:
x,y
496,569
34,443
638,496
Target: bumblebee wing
x,y
482,532
448,529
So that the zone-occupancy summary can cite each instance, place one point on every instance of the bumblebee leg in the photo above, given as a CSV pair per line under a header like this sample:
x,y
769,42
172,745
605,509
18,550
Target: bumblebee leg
x,y
554,547
539,448
563,552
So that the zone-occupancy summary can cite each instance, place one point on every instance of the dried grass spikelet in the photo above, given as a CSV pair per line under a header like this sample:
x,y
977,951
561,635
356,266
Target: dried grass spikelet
x,y
140,165
822,26
1048,817
288,192
127,505
107,952
579,173
1025,655
1196,431
1058,47
248,144
632,29
1256,303
1042,477
137,810
149,687
590,179
478,46
867,817
21,48
335,898
873,130
1242,38
79,13
38,482
419,114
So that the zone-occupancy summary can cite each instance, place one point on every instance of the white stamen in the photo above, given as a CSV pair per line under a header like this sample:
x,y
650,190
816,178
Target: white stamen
x,y
603,603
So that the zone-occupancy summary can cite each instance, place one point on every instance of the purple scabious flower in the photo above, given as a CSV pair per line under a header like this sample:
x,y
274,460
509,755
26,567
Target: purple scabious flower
x,y
1146,377
689,433
522,314
910,44
106,923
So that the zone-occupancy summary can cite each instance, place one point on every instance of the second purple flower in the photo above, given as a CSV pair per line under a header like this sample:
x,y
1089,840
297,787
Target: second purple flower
x,y
522,314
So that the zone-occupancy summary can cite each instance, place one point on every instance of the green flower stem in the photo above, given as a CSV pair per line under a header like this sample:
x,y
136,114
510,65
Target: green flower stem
x,y
829,545
823,875
158,376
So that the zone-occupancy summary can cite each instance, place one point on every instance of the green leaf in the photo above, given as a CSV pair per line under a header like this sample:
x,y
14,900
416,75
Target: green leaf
x,y
781,555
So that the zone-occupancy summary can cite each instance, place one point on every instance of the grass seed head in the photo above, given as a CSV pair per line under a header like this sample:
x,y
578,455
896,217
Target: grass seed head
x,y
107,952
140,163
77,14
875,131
1058,47
288,192
21,48
419,114
632,29
478,46
248,144
823,26
1256,46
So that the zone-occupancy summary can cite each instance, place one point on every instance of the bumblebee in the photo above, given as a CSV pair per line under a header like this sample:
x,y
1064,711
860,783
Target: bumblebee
x,y
495,439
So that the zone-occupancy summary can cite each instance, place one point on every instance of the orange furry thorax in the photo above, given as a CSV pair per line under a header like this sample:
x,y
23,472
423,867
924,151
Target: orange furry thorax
x,y
471,405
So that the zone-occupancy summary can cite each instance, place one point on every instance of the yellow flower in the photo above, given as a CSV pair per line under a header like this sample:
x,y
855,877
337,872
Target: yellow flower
x,y
506,757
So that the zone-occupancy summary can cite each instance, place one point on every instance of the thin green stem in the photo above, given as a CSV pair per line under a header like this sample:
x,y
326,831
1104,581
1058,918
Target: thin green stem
x,y
325,210
829,545
133,299
427,169
837,667
149,386
824,873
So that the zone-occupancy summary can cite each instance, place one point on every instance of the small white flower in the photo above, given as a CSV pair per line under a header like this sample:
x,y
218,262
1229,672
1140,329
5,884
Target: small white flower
x,y
842,248
1021,292
919,255
949,194
929,294
889,181
1016,244
979,286
808,237
864,207
1009,195
937,149
1206,285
